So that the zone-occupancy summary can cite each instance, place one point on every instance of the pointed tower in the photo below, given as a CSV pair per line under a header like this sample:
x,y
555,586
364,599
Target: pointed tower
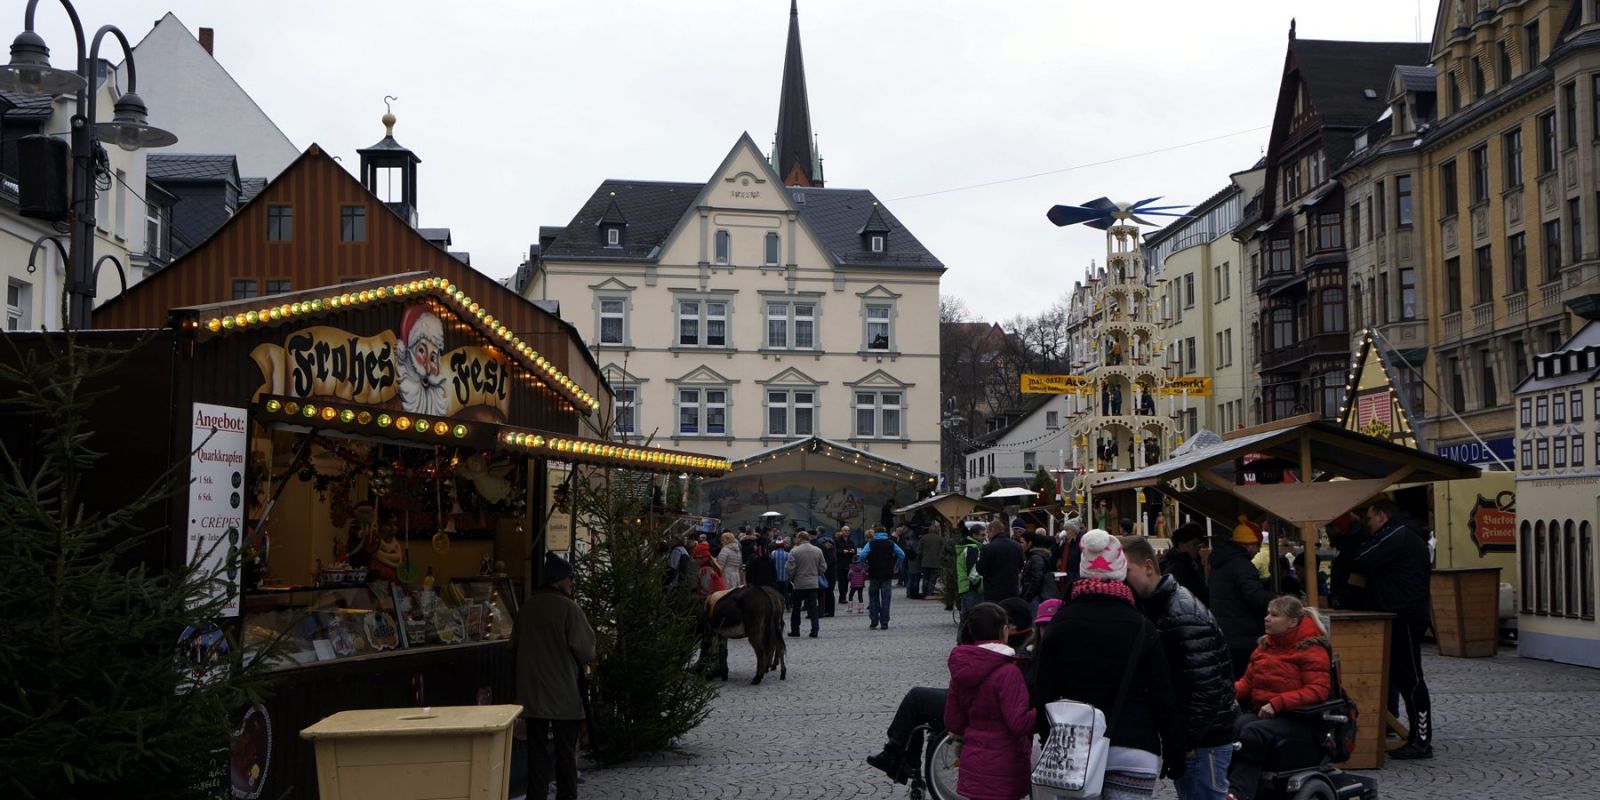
x,y
794,155
386,161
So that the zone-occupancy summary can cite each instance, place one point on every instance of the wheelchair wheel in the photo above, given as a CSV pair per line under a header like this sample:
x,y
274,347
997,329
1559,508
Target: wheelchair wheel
x,y
939,770
1316,789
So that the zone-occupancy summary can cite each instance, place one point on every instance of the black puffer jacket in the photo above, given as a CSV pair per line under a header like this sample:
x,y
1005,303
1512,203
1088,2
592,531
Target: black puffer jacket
x,y
1202,671
1238,595
1038,583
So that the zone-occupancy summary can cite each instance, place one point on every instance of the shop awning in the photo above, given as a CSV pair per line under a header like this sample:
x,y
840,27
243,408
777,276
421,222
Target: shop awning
x,y
949,505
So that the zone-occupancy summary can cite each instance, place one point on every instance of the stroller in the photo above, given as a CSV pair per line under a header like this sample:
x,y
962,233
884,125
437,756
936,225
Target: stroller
x,y
1299,769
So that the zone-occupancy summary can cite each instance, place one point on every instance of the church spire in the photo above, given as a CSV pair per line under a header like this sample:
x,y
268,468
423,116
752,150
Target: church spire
x,y
793,152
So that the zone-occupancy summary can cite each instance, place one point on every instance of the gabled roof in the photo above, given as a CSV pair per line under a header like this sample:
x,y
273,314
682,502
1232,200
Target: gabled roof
x,y
1580,344
1417,78
653,210
1031,405
613,215
1337,74
874,223
191,167
816,447
249,188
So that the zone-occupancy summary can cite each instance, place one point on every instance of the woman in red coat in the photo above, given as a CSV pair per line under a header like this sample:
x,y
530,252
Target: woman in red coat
x,y
1289,669
987,709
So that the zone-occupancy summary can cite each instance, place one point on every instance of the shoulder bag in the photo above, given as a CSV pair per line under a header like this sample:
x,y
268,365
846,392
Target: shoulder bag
x,y
1073,763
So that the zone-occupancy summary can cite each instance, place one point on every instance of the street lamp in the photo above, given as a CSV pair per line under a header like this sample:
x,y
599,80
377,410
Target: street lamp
x,y
30,73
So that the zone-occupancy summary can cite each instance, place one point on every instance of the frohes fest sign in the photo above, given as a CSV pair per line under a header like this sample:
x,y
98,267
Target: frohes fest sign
x,y
411,371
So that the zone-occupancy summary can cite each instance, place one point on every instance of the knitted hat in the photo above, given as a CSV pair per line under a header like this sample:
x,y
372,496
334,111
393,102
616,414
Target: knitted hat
x,y
556,569
702,550
1102,557
1017,523
1018,612
1047,611
1246,532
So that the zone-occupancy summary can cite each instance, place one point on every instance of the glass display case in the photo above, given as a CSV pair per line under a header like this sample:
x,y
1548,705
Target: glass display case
x,y
320,625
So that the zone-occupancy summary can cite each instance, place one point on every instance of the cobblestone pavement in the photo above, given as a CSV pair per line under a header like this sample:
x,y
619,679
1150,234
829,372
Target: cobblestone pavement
x,y
1506,727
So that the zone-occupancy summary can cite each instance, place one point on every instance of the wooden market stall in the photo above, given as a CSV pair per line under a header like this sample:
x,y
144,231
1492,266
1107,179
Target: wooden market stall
x,y
1307,472
371,463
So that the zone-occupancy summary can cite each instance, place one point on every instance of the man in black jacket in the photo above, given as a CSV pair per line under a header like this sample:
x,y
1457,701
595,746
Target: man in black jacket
x,y
1238,595
1394,566
1202,671
1000,566
1182,561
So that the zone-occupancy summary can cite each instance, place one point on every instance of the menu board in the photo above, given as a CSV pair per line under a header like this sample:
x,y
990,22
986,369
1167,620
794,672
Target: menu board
x,y
218,446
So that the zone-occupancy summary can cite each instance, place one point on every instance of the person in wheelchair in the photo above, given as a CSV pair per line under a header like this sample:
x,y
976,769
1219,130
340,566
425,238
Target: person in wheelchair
x,y
922,708
1289,670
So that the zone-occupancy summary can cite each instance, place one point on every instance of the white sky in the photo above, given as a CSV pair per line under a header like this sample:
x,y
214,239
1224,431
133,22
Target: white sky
x,y
519,109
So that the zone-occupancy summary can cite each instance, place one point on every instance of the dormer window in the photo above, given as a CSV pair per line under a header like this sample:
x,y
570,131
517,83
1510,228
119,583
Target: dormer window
x,y
877,243
613,236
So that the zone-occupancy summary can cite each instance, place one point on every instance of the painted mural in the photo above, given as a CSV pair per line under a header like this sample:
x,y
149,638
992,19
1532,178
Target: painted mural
x,y
805,499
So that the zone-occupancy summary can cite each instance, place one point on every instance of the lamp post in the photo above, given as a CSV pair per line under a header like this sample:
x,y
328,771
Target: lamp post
x,y
30,73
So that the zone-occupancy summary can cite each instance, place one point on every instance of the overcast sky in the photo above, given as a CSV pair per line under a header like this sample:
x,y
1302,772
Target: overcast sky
x,y
519,109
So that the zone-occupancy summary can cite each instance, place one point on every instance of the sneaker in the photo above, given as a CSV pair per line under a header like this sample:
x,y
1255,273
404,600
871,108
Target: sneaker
x,y
874,626
1412,751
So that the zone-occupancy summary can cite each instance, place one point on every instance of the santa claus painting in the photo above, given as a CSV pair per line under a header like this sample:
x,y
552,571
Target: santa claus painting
x,y
422,389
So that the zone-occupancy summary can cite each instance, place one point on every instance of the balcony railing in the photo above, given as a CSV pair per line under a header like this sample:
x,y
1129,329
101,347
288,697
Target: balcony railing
x,y
1516,308
1452,326
1482,317
1319,345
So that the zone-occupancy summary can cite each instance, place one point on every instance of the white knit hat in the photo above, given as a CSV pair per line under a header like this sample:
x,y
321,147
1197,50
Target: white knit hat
x,y
1102,557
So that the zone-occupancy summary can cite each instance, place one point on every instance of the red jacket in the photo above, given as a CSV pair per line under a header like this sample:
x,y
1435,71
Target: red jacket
x,y
1289,670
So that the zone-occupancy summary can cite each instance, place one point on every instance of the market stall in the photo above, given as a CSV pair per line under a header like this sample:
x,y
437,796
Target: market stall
x,y
375,464
1306,472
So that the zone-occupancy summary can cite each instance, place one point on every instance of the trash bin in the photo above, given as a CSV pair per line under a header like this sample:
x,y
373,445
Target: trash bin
x,y
1466,611
414,753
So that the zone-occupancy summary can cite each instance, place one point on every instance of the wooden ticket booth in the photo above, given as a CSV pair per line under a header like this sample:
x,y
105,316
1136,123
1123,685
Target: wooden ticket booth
x,y
1307,472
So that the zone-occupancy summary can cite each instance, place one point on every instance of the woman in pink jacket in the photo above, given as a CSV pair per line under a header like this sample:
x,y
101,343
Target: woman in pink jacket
x,y
987,709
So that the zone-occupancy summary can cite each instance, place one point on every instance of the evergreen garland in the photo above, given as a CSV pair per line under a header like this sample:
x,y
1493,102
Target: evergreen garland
x,y
94,701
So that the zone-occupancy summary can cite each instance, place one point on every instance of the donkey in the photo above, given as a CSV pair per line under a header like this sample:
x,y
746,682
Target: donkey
x,y
753,612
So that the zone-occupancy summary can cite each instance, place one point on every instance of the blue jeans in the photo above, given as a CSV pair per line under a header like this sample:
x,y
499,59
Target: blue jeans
x,y
878,594
1205,774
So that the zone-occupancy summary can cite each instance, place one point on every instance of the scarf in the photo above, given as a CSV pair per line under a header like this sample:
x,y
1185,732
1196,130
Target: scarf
x,y
1102,586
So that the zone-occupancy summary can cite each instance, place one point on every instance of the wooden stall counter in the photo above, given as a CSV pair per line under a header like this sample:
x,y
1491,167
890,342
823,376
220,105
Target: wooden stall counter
x,y
1361,640
1466,611
414,753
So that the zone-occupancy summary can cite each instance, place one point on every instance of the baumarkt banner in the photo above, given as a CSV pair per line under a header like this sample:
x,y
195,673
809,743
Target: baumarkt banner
x,y
1186,387
1056,384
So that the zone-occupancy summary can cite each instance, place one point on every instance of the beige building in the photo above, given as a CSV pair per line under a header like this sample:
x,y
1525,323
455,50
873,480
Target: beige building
x,y
737,314
1201,269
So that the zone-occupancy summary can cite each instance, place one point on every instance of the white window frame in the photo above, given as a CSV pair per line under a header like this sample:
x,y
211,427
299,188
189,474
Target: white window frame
x,y
701,399
1189,360
887,322
1052,420
877,242
1188,290
791,317
153,218
880,406
19,308
722,247
620,315
613,236
771,249
1030,461
703,315
631,405
791,400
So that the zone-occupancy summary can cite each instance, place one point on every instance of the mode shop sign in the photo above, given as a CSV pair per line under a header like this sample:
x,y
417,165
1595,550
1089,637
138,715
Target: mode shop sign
x,y
1479,453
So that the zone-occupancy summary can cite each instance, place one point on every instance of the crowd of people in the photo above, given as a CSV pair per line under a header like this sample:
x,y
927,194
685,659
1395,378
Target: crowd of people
x,y
1217,661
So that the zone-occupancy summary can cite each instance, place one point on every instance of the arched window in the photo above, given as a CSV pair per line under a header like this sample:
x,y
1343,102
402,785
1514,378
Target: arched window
x,y
1332,311
1586,567
1569,557
1556,606
1538,568
1525,566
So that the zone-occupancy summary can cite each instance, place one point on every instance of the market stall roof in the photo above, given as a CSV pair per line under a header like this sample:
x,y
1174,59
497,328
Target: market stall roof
x,y
817,453
949,505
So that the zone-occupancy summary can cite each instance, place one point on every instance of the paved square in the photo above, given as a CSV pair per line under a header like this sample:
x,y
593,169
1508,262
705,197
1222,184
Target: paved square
x,y
1507,727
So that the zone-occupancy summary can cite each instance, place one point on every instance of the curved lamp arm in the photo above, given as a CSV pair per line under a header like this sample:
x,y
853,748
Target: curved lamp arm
x,y
38,244
122,274
77,24
127,52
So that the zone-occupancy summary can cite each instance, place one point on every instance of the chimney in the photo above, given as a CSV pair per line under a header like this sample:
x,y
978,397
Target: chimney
x,y
206,35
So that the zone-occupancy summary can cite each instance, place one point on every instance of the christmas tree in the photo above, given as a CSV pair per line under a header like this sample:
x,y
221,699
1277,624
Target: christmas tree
x,y
645,693
96,700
